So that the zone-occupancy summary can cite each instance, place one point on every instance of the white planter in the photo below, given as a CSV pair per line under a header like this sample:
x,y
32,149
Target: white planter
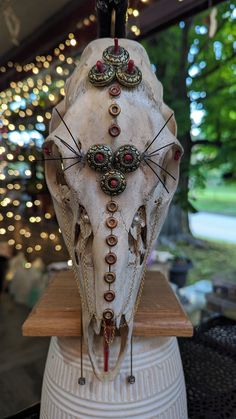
x,y
158,392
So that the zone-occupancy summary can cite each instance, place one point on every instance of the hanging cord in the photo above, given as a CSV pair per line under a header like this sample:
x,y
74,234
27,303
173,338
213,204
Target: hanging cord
x,y
81,379
131,377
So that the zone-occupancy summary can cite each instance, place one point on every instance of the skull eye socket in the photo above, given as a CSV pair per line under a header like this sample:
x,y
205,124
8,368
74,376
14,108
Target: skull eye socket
x,y
99,157
54,169
127,158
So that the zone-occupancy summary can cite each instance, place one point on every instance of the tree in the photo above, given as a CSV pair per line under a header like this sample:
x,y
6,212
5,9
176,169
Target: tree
x,y
199,78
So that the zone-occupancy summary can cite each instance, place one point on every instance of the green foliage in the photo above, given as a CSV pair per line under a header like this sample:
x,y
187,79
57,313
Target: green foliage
x,y
219,199
198,74
216,258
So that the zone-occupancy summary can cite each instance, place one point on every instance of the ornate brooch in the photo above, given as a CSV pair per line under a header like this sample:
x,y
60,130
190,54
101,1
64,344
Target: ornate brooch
x,y
116,64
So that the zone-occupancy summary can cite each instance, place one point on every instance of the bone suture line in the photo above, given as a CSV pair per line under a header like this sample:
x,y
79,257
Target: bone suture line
x,y
73,138
153,153
154,139
157,176
162,168
68,146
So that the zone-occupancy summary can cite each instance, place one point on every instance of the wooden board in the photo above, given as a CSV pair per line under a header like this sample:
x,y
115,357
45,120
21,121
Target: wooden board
x,y
58,311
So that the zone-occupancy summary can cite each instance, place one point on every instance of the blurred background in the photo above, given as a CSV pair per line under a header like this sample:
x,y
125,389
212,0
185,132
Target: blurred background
x,y
192,46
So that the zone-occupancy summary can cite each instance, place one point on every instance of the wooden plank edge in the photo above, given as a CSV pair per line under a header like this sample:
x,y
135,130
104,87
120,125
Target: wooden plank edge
x,y
33,328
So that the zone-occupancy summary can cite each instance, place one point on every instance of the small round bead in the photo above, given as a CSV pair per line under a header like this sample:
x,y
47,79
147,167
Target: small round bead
x,y
114,109
109,277
111,222
109,296
114,130
114,90
112,206
108,314
112,240
111,258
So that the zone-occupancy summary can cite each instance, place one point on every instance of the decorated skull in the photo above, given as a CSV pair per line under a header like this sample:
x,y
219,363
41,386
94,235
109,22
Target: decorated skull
x,y
112,168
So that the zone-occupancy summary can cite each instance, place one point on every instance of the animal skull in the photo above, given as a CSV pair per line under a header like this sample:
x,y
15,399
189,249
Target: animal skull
x,y
82,207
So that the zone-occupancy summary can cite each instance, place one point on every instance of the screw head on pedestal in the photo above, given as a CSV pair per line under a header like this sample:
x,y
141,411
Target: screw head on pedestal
x,y
81,381
131,379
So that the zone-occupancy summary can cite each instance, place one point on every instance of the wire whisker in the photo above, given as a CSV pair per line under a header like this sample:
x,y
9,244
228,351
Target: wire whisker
x,y
68,167
162,168
157,176
158,149
154,139
67,145
68,129
56,158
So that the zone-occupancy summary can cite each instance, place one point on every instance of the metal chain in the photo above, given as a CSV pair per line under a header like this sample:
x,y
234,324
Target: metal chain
x,y
111,338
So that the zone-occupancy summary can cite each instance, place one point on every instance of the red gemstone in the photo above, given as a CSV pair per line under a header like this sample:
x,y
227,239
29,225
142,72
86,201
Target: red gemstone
x,y
177,155
99,157
116,46
113,183
100,67
130,66
47,151
128,157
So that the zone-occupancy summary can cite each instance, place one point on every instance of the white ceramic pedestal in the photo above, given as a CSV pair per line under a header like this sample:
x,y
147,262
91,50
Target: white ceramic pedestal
x,y
158,392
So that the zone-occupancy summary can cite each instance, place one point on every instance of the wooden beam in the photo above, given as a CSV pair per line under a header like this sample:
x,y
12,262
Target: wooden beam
x,y
50,34
162,14
153,18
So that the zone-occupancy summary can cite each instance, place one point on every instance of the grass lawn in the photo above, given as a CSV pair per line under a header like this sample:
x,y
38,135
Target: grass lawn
x,y
216,258
217,199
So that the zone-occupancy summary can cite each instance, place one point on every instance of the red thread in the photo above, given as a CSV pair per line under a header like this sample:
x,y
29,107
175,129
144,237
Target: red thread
x,y
106,333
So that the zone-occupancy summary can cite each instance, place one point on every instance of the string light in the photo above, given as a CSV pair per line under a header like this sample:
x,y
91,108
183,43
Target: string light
x,y
28,265
26,106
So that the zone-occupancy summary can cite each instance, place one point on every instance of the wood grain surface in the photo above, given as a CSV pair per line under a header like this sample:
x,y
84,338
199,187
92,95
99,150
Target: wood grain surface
x,y
58,311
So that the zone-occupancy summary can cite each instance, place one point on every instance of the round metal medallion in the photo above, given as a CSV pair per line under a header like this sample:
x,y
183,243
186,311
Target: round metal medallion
x,y
99,157
109,277
108,314
113,182
129,78
109,296
127,158
115,54
114,109
112,206
101,74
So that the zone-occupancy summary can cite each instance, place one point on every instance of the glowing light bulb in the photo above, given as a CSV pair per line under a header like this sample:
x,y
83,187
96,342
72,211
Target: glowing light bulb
x,y
28,265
